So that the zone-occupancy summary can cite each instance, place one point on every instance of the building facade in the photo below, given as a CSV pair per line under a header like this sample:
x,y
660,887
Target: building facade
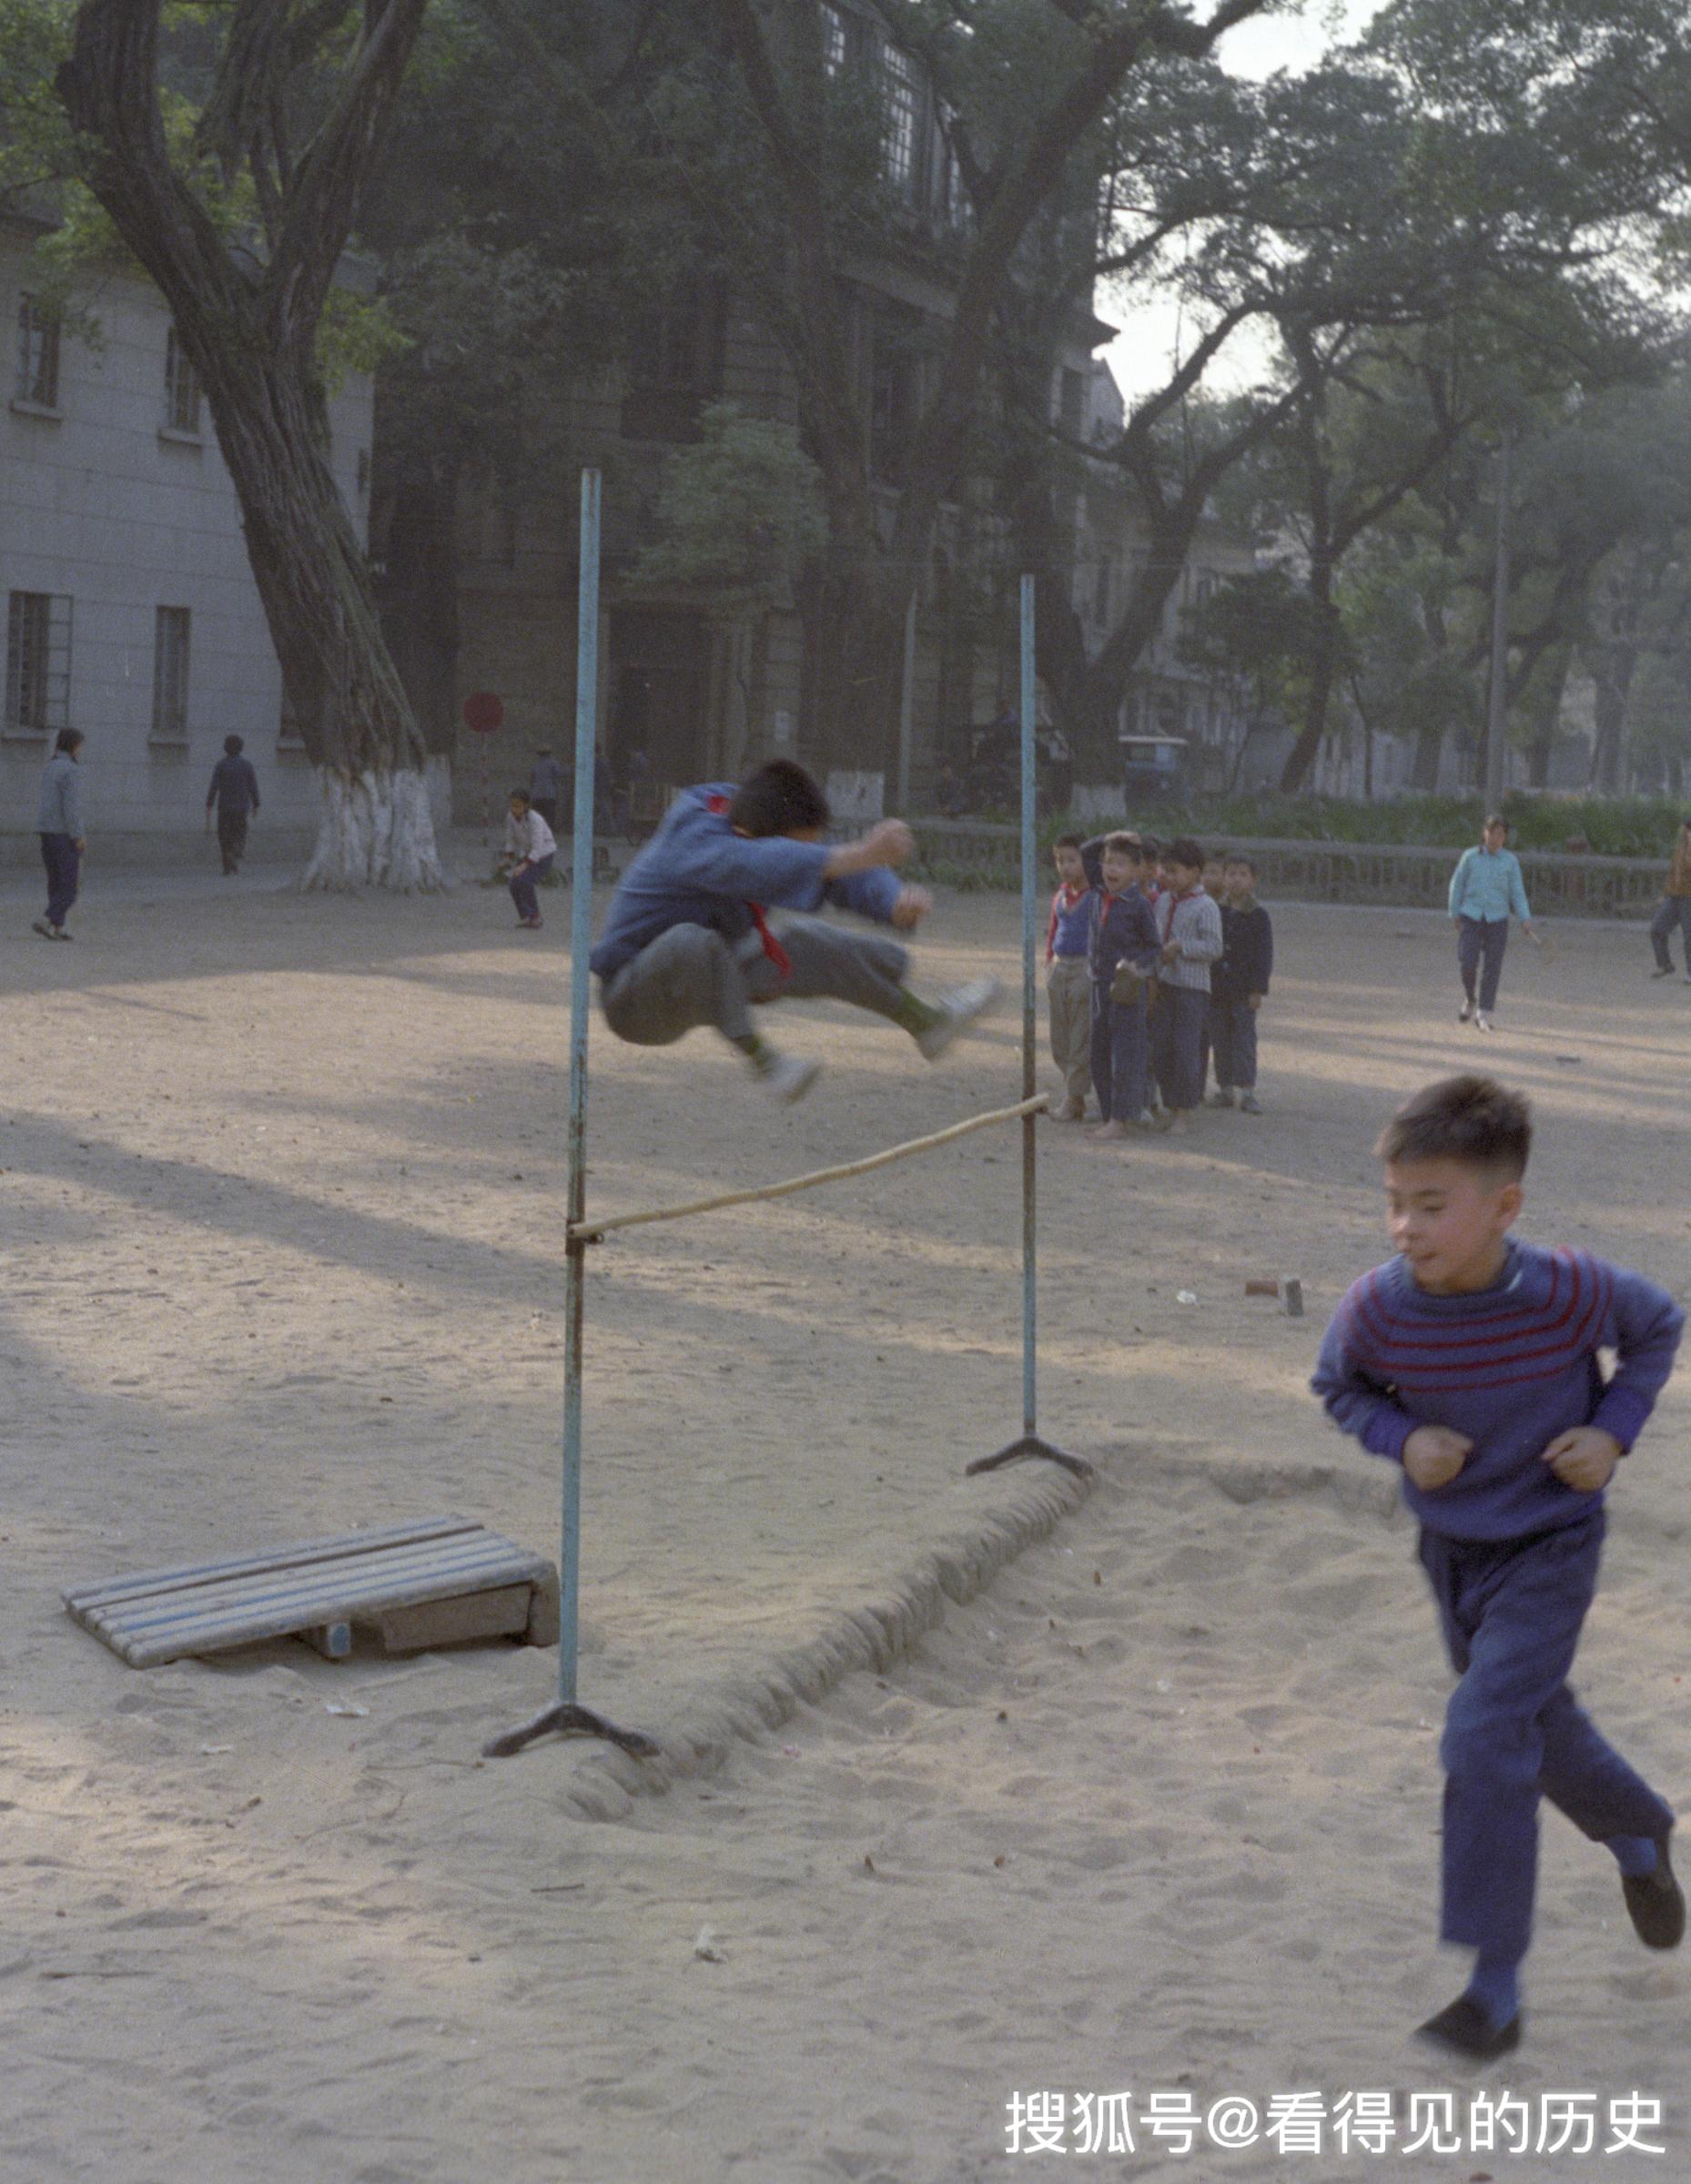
x,y
131,612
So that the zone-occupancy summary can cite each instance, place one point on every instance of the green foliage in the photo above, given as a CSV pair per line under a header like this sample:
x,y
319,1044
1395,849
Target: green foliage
x,y
739,516
34,138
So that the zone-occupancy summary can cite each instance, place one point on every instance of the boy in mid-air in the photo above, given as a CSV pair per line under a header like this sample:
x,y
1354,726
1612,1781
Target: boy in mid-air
x,y
1473,1361
1069,979
688,942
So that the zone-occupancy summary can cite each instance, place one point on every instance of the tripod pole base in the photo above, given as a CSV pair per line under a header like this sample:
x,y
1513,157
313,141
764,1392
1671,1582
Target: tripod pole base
x,y
568,1719
1030,1444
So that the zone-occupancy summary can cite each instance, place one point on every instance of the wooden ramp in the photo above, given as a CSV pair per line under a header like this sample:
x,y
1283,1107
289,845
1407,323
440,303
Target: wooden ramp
x,y
436,1582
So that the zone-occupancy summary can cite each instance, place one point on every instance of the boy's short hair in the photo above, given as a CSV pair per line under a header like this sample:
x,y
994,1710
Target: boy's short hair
x,y
1495,819
1125,845
1183,850
778,797
1238,856
1067,842
69,739
233,747
517,796
1150,848
1470,1118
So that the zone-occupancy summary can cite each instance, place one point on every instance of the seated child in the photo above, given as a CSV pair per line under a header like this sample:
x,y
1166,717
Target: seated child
x,y
1069,979
687,942
1476,1362
1190,926
1121,953
530,849
1239,984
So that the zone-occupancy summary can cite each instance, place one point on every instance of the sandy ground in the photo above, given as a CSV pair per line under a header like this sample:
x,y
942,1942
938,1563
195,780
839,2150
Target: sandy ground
x,y
1156,1811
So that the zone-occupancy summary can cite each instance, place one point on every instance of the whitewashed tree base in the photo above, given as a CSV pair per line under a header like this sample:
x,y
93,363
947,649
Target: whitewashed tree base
x,y
376,831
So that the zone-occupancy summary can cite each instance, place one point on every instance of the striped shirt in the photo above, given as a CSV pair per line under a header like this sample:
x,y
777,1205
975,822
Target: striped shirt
x,y
1195,921
1509,1367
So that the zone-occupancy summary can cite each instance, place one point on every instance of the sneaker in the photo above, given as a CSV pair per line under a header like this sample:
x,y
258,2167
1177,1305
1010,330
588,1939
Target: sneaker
x,y
1464,1011
46,931
1663,970
1655,1904
1482,1022
1250,1105
787,1076
957,1008
528,925
1223,1099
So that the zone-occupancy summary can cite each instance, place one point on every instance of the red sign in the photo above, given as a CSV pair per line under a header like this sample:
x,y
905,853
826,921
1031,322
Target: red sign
x,y
483,713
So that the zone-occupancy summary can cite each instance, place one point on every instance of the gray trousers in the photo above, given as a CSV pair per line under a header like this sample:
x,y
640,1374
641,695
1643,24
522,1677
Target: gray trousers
x,y
691,976
1068,987
1673,910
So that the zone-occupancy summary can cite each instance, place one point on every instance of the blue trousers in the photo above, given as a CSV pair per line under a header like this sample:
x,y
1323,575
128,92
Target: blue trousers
x,y
63,860
1482,938
1233,1040
1513,1732
1177,1043
1117,1056
1673,910
521,885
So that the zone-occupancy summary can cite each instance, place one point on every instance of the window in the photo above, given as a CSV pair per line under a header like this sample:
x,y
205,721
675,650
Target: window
x,y
37,663
181,388
1071,401
895,389
900,145
37,354
833,39
170,676
675,364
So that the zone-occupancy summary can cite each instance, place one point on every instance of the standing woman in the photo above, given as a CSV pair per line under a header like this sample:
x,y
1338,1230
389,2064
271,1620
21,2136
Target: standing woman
x,y
1485,889
58,822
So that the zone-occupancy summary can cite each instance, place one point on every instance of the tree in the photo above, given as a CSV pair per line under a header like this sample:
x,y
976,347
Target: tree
x,y
242,224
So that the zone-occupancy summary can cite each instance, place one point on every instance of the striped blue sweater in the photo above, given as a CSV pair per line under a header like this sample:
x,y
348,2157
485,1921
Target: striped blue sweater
x,y
1511,1366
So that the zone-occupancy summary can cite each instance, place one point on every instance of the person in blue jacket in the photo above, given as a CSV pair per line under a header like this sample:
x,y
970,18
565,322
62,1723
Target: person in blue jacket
x,y
1485,889
688,940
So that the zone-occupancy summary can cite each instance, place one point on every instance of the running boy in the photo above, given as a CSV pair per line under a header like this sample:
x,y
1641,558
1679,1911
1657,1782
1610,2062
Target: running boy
x,y
687,942
1473,1361
1190,924
1067,978
1239,984
1122,953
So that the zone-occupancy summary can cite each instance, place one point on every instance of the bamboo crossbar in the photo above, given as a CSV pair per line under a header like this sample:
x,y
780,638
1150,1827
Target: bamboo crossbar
x,y
590,1231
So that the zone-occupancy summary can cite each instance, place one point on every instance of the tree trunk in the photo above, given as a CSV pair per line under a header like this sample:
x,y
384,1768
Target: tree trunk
x,y
249,329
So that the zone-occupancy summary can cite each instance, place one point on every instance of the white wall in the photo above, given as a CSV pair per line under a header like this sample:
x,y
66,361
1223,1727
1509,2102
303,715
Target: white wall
x,y
98,504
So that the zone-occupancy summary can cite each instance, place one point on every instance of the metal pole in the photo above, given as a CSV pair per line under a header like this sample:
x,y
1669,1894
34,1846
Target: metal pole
x,y
1030,1122
906,708
1028,1442
580,933
1497,718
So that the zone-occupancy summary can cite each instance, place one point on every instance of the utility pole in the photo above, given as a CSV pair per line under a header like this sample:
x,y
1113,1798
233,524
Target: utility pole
x,y
1497,720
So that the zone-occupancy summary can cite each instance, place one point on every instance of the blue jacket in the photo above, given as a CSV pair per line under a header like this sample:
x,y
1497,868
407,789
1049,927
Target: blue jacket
x,y
234,786
1511,1366
59,811
696,871
1247,954
1120,927
1487,885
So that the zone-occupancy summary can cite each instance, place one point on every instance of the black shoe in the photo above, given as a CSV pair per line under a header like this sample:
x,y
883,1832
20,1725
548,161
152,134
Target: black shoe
x,y
1655,1904
1663,970
1463,2028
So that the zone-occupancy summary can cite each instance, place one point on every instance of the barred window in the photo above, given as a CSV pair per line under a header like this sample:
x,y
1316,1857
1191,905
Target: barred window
x,y
903,116
37,663
170,645
181,387
38,353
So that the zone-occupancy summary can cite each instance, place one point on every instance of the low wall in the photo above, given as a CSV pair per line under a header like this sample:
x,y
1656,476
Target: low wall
x,y
973,852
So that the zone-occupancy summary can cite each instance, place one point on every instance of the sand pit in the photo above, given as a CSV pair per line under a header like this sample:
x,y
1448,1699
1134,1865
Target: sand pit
x,y
1156,1810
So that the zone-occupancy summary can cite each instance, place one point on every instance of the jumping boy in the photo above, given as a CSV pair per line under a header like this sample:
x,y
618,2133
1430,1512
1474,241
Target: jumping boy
x,y
687,941
1473,1361
1190,924
1239,984
1069,979
1121,955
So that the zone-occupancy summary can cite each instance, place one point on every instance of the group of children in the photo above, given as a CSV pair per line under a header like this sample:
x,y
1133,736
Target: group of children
x,y
1473,1362
1158,960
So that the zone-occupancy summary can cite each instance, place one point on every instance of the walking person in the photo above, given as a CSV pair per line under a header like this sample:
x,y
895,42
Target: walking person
x,y
1486,889
235,792
1675,909
58,822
